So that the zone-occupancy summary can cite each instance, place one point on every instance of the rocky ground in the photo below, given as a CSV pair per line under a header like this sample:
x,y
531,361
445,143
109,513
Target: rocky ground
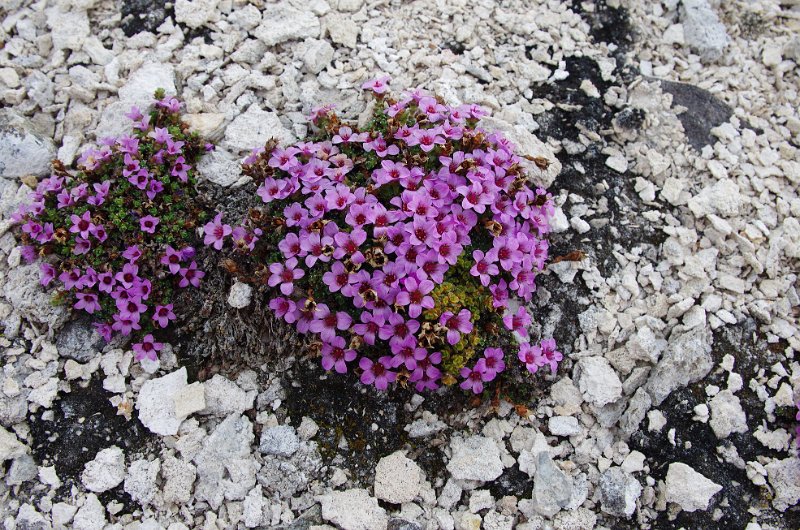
x,y
673,128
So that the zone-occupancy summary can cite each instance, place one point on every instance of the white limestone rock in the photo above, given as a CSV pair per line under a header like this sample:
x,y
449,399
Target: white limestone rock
x,y
280,23
619,492
687,359
196,13
474,458
353,509
318,54
68,28
702,30
90,516
156,403
24,150
727,415
784,477
10,447
598,382
240,295
189,399
226,468
224,397
140,482
253,128
397,479
689,489
280,440
106,471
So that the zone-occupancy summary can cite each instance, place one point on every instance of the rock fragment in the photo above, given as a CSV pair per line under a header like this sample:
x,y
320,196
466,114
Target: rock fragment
x,y
353,509
106,471
156,402
397,479
689,489
474,458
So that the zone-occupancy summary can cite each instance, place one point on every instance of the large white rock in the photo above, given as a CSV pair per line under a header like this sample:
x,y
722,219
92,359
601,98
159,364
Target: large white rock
x,y
23,149
196,13
140,483
619,492
597,380
90,516
280,23
689,489
527,145
784,477
727,415
702,30
253,128
474,458
156,403
397,479
68,28
10,447
722,198
687,359
226,468
318,54
224,397
106,471
353,509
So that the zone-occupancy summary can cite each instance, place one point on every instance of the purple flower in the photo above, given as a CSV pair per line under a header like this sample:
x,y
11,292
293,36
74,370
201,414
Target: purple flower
x,y
377,373
370,325
87,301
162,315
125,324
327,322
290,245
161,135
82,224
216,232
172,259
337,277
407,353
285,275
128,275
147,349
135,114
529,356
484,269
334,355
549,354
415,295
473,380
491,364
82,246
104,330
518,321
132,253
48,273
284,308
456,324
71,279
180,169
148,224
447,248
379,85
190,275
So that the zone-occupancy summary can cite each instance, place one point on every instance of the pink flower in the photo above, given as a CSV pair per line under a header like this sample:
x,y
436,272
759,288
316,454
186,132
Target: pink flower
x,y
379,85
162,315
285,275
148,224
147,349
519,321
327,322
415,295
549,354
473,380
48,273
407,353
377,373
529,355
87,301
216,232
190,275
125,324
284,308
132,253
82,224
172,259
456,324
334,355
491,364
484,269
370,326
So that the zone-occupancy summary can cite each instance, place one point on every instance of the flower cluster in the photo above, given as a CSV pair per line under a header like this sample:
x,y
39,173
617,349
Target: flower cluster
x,y
399,245
116,234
